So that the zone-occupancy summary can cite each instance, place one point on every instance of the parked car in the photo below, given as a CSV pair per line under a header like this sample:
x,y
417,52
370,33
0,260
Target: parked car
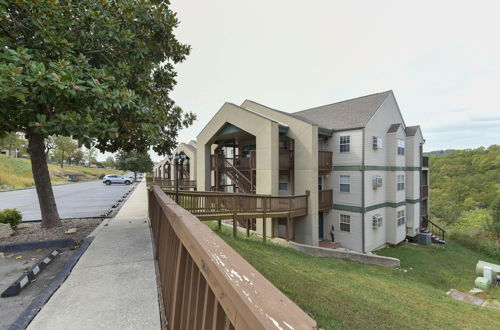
x,y
114,178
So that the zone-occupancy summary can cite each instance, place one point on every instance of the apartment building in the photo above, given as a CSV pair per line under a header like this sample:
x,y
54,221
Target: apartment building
x,y
357,161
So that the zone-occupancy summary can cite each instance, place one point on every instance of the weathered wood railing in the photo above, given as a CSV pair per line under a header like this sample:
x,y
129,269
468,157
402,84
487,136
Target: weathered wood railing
x,y
325,199
210,205
433,228
170,184
205,284
325,161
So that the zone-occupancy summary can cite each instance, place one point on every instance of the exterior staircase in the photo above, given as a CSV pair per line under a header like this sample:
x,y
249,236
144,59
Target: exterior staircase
x,y
437,233
239,179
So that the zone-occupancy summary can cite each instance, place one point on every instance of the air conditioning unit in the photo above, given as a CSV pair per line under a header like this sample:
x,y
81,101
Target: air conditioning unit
x,y
377,181
377,143
377,221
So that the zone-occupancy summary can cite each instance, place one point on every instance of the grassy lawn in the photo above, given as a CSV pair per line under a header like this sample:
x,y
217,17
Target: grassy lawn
x,y
346,294
15,173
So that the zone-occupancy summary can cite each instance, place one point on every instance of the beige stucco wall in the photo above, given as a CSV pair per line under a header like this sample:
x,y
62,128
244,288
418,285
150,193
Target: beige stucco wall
x,y
190,150
305,175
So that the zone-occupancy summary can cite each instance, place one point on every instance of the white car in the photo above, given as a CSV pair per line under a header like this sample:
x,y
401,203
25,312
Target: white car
x,y
114,178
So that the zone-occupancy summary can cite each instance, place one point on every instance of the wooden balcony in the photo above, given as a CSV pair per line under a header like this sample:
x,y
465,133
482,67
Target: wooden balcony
x,y
205,284
208,205
425,161
325,161
325,199
424,191
286,161
184,184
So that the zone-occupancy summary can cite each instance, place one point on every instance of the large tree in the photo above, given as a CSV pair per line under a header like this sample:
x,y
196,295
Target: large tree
x,y
65,147
134,161
99,71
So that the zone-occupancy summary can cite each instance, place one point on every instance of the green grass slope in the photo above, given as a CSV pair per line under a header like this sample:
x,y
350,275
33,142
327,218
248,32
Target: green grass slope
x,y
15,173
342,294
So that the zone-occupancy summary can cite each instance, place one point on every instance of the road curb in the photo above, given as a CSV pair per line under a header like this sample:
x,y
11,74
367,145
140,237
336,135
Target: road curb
x,y
33,245
32,310
15,288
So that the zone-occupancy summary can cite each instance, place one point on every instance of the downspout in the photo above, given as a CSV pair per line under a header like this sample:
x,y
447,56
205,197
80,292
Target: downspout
x,y
363,193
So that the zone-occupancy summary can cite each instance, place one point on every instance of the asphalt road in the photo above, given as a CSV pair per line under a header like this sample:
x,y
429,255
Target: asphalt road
x,y
75,200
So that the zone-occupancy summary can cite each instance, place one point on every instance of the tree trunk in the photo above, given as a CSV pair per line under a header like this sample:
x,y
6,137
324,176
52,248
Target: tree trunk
x,y
48,207
62,158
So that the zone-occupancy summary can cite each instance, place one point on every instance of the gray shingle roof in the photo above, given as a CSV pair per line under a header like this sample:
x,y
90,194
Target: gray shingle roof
x,y
411,130
393,128
354,113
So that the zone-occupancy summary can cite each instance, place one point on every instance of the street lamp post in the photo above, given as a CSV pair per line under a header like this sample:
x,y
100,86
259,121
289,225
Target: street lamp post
x,y
181,155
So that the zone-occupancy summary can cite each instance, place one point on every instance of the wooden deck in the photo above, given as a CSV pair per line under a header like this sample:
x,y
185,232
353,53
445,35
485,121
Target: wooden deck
x,y
184,184
220,205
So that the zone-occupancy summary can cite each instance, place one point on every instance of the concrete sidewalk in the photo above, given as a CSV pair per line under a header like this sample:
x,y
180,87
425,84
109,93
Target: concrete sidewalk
x,y
113,286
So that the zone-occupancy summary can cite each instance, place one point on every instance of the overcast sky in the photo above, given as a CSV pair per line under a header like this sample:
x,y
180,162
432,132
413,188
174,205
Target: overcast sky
x,y
441,59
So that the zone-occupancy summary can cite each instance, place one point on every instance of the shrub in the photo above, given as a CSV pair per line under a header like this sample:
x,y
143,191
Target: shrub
x,y
101,175
11,216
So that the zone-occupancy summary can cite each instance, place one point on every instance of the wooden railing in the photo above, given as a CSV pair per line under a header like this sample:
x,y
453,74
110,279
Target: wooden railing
x,y
205,284
209,205
286,159
170,184
425,161
325,199
433,228
325,161
424,191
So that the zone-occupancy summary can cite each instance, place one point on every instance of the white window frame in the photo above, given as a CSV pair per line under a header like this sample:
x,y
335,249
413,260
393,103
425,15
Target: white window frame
x,y
400,182
377,182
401,147
346,144
377,142
377,221
344,184
345,219
400,217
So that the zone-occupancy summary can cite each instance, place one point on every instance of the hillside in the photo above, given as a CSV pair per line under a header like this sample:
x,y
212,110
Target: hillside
x,y
15,173
346,294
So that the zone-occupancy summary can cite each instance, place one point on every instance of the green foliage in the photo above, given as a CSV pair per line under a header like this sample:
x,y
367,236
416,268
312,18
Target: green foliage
x,y
463,180
343,294
13,141
493,224
134,161
101,175
65,147
100,71
11,216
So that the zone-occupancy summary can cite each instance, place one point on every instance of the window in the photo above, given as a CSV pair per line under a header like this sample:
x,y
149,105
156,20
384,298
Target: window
x,y
283,185
345,222
377,181
401,181
377,221
345,183
377,143
401,217
345,143
401,147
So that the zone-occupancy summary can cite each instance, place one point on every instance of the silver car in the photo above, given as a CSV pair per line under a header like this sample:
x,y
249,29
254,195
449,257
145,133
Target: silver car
x,y
114,178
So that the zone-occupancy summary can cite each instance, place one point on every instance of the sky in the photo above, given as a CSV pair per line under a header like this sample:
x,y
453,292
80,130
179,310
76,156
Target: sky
x,y
441,59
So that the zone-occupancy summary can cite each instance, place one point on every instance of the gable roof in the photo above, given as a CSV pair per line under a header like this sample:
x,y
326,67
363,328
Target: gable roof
x,y
349,114
393,128
412,130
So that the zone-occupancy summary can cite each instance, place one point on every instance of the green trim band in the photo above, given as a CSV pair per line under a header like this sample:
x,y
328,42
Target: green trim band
x,y
413,201
359,209
325,132
375,168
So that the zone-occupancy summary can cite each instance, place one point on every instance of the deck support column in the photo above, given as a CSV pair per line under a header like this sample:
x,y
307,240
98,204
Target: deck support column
x,y
264,225
235,230
219,225
248,227
288,227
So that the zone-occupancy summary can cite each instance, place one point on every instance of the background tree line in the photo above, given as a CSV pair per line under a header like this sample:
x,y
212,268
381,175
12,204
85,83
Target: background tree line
x,y
465,195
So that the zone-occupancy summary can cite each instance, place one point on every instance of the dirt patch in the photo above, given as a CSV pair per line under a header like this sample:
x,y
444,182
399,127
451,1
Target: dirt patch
x,y
32,231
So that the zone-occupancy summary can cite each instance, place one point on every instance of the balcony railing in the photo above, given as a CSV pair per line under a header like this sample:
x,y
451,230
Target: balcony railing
x,y
184,184
286,159
205,284
425,161
424,191
325,199
325,161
